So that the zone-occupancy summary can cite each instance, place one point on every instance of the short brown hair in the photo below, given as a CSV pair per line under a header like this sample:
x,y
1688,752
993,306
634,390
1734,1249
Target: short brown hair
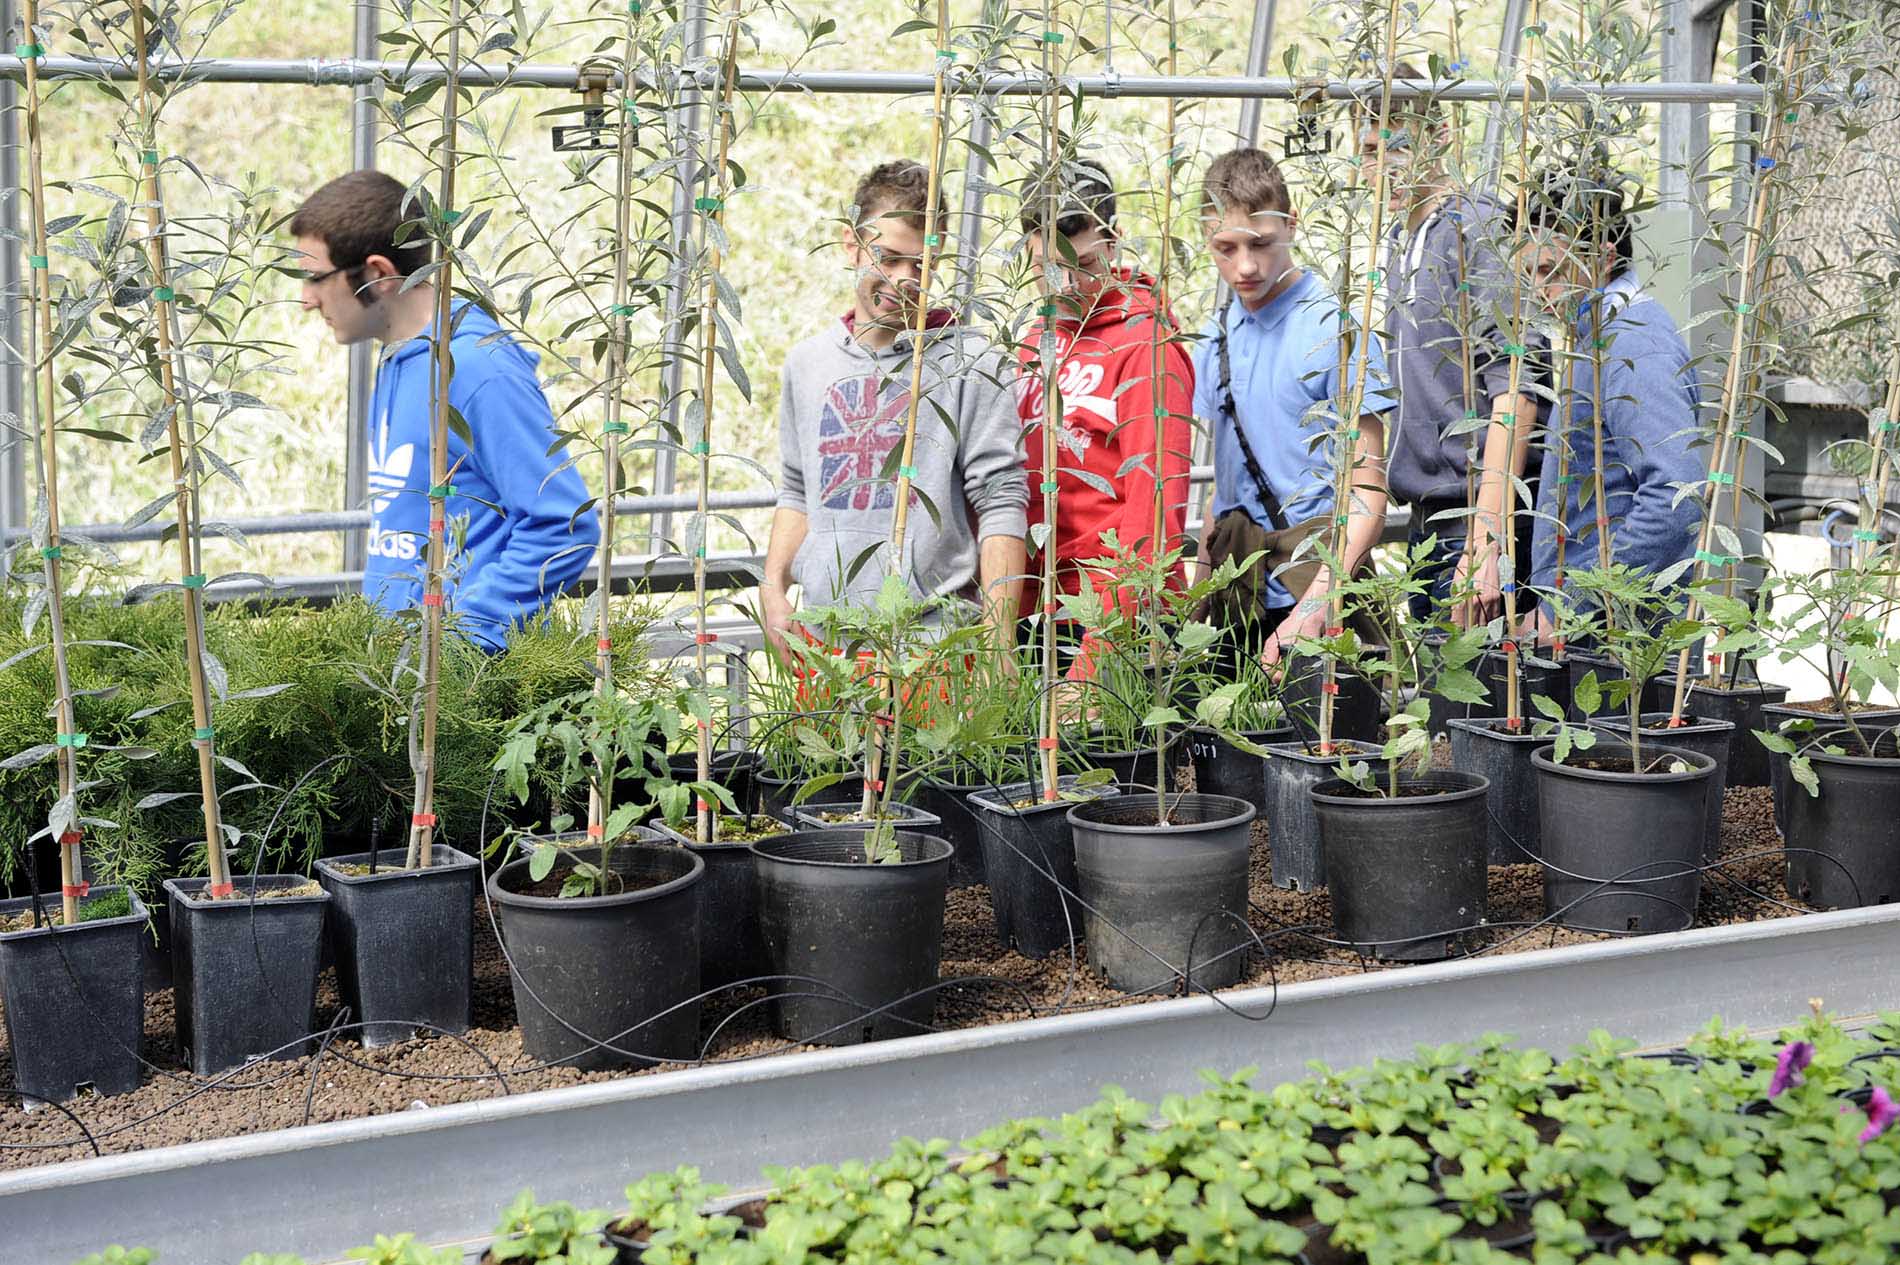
x,y
901,188
358,215
1247,180
1426,108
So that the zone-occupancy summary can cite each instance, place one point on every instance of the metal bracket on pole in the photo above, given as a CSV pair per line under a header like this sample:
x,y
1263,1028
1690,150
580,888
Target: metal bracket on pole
x,y
13,371
592,80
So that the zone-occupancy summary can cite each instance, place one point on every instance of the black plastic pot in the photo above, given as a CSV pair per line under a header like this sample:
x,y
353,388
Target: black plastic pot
x,y
1164,900
1029,855
1358,708
947,801
1775,715
596,971
1711,738
1137,768
811,816
1482,745
1844,844
244,970
862,940
1292,828
1221,768
1622,850
775,793
75,1001
157,947
403,941
1546,678
1406,874
730,947
1741,705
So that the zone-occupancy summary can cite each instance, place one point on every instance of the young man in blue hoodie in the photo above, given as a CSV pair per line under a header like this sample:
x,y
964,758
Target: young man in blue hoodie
x,y
522,552
1578,261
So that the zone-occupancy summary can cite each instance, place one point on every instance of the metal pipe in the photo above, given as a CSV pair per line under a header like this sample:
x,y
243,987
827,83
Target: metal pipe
x,y
672,365
363,140
1259,49
1510,40
976,171
13,493
347,71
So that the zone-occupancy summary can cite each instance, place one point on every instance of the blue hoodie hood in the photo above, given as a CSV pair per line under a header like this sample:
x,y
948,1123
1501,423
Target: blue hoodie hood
x,y
513,506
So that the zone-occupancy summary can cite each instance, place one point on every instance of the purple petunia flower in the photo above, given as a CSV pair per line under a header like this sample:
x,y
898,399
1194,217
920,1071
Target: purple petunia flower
x,y
1881,1112
1794,1057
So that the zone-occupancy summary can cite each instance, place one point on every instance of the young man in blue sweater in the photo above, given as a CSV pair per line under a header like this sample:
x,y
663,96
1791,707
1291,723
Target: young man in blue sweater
x,y
1578,260
1266,377
522,542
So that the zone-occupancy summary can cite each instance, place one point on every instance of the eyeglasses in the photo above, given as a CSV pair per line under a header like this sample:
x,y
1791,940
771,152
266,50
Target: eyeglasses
x,y
310,278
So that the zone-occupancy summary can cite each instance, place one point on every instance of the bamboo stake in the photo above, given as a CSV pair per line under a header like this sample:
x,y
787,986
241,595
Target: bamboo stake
x,y
600,791
422,821
43,399
1050,353
181,435
875,783
1866,539
1346,461
1761,200
714,206
1158,394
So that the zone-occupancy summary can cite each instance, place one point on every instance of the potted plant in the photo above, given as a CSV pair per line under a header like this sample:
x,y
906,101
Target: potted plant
x,y
1835,762
1404,846
579,907
1624,825
1163,875
852,917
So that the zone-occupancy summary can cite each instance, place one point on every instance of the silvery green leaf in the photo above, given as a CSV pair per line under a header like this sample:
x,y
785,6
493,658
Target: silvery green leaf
x,y
31,612
215,675
161,798
29,757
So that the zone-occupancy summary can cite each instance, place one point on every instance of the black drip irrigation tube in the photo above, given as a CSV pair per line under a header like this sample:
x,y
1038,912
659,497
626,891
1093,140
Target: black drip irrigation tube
x,y
1180,981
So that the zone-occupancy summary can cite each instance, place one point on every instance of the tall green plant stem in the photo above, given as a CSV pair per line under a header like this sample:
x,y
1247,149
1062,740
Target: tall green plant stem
x,y
1737,376
1158,392
600,791
1346,461
422,820
1049,353
707,820
1867,539
181,440
877,778
44,400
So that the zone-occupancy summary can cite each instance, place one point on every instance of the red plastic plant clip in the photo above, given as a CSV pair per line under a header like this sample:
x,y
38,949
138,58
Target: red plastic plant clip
x,y
75,890
1048,744
1336,631
1677,722
71,837
1508,646
876,785
1329,687
603,643
432,599
1050,608
220,890
597,831
705,639
422,819
704,806
438,524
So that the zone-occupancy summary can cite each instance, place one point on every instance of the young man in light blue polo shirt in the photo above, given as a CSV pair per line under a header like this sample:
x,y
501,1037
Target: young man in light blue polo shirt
x,y
1274,405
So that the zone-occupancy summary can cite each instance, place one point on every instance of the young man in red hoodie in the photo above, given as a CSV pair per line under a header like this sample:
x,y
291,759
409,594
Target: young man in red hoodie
x,y
1107,320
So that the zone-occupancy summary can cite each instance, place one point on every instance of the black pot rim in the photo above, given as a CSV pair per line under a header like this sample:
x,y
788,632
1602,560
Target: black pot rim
x,y
1252,735
1705,765
1789,711
763,850
673,836
1852,761
185,887
1479,785
1239,814
1752,689
1690,725
138,913
1480,726
996,800
501,896
455,862
1298,751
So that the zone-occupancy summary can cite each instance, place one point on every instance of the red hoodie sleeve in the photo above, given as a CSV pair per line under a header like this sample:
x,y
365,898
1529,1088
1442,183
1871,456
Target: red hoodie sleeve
x,y
1134,413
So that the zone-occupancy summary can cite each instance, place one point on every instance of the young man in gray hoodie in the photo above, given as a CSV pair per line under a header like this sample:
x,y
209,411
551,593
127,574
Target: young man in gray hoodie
x,y
842,410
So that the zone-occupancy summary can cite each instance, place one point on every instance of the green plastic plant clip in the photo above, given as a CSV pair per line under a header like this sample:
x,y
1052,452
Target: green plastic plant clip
x,y
1047,309
50,552
616,428
1721,476
28,52
203,735
1375,275
634,7
1052,37
1713,559
1599,343
1353,433
933,239
1464,287
449,217
1516,349
164,294
1866,534
149,158
623,309
948,54
1341,519
1743,309
1385,133
1471,415
907,472
441,490
708,204
1049,485
70,740
36,261
701,449
193,581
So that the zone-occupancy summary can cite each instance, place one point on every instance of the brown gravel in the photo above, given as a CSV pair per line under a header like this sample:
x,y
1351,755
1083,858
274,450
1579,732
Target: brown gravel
x,y
349,1081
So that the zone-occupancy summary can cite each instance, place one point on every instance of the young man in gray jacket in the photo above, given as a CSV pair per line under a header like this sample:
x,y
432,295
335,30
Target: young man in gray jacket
x,y
1448,326
842,411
